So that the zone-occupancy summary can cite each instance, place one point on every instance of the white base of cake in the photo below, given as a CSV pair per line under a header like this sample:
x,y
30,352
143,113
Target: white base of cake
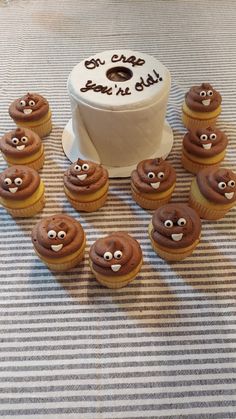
x,y
71,147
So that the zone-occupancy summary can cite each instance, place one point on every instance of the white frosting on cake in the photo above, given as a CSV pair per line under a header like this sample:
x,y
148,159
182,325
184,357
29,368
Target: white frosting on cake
x,y
119,122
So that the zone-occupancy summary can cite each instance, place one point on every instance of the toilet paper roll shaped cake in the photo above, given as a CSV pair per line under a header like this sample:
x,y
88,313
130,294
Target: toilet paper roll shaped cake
x,y
152,183
59,241
116,259
118,101
175,231
22,146
21,191
86,185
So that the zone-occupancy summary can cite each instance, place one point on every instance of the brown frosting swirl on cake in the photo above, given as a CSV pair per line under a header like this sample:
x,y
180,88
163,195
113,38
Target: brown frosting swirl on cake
x,y
57,236
18,182
85,177
20,143
203,98
175,226
153,175
116,254
205,142
30,107
217,185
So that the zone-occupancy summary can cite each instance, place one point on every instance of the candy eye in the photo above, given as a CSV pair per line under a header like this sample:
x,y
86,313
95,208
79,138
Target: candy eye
x,y
222,185
18,181
52,234
61,234
7,181
231,183
24,139
168,223
203,93
204,137
77,168
151,175
15,140
107,256
22,103
181,222
209,93
85,166
213,136
118,254
160,175
31,102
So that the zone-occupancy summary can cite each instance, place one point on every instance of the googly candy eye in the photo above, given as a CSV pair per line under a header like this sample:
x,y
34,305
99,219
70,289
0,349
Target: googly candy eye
x,y
85,166
61,234
231,183
160,175
168,223
203,137
22,103
181,222
222,185
52,234
24,139
77,167
203,93
18,181
213,136
151,175
7,181
209,93
118,254
15,140
107,256
31,102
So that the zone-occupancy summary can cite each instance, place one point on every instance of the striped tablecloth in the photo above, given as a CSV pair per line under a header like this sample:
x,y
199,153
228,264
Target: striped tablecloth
x,y
163,346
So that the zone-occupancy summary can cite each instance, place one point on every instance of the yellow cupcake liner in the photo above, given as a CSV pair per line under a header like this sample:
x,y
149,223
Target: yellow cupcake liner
x,y
193,120
90,206
42,127
36,164
151,204
194,166
29,211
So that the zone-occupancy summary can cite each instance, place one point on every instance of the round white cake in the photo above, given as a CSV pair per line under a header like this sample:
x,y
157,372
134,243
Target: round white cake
x,y
118,101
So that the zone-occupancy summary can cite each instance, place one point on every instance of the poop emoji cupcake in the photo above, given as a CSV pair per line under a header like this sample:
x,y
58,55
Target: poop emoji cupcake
x,y
59,241
32,111
22,146
152,183
174,231
116,259
86,185
21,191
201,107
202,148
213,192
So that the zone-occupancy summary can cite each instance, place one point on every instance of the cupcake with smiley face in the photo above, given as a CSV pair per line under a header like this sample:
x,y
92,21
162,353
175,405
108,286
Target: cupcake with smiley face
x,y
22,146
32,111
202,148
116,259
21,191
175,231
86,185
213,192
201,108
59,241
152,183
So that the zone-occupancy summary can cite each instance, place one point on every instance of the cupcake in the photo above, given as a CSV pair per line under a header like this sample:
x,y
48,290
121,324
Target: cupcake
x,y
21,191
213,192
116,259
202,148
174,231
59,241
152,183
32,111
201,107
22,146
86,185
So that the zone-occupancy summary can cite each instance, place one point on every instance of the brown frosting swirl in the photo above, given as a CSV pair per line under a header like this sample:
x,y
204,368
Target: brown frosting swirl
x,y
175,226
20,143
116,254
30,107
153,175
217,185
57,236
18,182
203,98
205,142
85,177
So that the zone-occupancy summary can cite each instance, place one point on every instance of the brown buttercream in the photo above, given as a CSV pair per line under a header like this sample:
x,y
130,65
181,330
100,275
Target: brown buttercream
x,y
18,182
175,226
85,177
23,109
20,143
56,225
217,185
203,98
153,175
205,142
124,251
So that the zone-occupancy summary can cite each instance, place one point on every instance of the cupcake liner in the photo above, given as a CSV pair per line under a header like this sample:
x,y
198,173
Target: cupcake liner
x,y
195,167
116,282
88,206
34,164
194,124
150,204
60,267
42,129
29,211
